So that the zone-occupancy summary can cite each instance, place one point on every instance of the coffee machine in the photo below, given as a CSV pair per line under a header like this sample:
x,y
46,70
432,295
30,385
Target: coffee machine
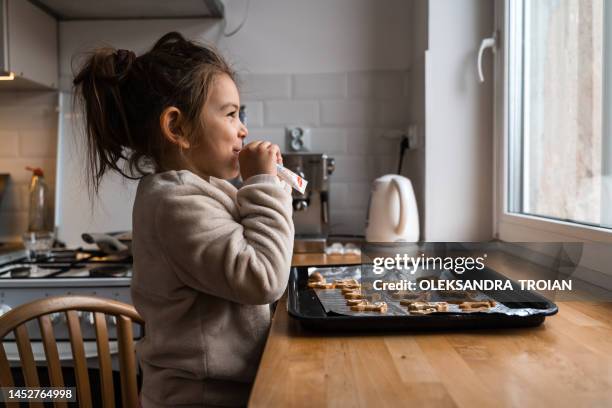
x,y
311,209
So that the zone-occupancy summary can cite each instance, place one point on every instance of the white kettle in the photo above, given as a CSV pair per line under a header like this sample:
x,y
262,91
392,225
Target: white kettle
x,y
392,214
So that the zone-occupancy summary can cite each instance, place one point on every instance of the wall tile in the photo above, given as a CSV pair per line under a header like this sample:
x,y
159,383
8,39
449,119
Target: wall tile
x,y
16,168
372,141
378,85
354,168
348,113
265,86
12,225
394,113
291,113
15,197
319,86
38,143
9,144
273,135
328,141
18,118
359,194
344,221
338,193
254,111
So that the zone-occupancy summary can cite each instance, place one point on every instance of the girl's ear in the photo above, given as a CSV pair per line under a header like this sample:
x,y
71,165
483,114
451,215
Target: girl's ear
x,y
172,124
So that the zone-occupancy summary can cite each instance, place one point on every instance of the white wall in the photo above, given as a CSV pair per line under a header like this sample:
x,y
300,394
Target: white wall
x,y
459,123
337,66
279,36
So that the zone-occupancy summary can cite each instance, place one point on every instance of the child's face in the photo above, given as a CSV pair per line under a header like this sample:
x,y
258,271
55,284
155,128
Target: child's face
x,y
216,154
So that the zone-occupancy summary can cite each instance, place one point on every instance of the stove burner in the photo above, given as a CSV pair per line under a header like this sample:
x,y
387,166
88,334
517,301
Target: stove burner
x,y
109,271
20,272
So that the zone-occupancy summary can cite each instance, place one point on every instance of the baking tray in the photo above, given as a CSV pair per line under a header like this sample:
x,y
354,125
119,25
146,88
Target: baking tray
x,y
527,309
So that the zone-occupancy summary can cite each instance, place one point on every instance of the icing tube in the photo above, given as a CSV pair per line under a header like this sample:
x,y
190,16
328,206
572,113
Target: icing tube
x,y
291,178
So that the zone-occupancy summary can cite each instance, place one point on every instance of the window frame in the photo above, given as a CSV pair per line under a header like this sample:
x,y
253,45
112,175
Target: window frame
x,y
516,227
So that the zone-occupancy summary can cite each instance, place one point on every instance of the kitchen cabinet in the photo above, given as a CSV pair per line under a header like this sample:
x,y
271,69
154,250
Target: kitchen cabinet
x,y
28,47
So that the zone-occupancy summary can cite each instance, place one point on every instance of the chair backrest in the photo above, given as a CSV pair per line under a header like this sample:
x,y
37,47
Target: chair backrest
x,y
15,320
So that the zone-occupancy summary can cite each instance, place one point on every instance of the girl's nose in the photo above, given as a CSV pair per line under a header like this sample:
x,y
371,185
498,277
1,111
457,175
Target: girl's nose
x,y
243,132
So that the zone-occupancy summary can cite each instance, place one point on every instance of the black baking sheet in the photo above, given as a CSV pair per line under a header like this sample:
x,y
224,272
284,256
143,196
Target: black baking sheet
x,y
304,305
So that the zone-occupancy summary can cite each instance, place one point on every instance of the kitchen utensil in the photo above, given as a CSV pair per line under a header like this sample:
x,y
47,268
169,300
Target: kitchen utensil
x,y
392,214
106,243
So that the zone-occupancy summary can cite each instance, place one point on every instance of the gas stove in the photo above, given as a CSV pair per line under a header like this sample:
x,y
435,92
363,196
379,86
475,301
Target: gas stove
x,y
64,272
66,268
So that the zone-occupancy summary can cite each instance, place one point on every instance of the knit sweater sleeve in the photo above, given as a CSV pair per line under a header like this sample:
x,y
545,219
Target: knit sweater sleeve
x,y
246,260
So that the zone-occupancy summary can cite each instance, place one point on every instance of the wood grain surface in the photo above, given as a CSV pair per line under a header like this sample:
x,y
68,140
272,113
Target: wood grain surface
x,y
567,361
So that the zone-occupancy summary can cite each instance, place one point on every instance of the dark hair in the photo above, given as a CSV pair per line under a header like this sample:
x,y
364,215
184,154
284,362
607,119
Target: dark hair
x,y
123,96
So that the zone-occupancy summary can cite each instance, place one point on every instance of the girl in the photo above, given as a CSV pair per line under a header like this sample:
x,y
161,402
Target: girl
x,y
208,259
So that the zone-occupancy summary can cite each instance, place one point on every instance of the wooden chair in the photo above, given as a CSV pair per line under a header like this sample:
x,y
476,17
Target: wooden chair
x,y
125,314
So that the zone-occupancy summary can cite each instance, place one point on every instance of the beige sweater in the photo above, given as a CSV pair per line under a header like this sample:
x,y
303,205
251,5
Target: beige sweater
x,y
208,260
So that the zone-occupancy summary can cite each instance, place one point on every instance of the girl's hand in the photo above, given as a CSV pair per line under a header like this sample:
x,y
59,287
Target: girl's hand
x,y
259,158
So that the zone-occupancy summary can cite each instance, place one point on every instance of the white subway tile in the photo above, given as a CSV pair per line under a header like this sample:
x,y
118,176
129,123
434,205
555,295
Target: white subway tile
x,y
354,168
265,86
388,164
348,113
395,113
38,143
328,140
254,112
359,194
319,86
29,99
16,168
14,198
347,221
12,225
9,143
273,135
370,142
20,118
376,84
291,113
338,194
407,84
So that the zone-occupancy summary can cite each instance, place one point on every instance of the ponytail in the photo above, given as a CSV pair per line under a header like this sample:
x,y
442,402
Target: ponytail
x,y
106,126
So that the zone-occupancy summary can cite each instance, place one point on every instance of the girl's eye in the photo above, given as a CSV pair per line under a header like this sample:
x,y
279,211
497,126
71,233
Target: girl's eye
x,y
232,114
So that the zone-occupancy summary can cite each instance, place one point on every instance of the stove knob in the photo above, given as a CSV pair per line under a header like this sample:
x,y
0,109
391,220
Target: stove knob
x,y
4,308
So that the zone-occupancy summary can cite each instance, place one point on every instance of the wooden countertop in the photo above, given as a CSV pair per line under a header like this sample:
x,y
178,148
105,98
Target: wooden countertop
x,y
567,361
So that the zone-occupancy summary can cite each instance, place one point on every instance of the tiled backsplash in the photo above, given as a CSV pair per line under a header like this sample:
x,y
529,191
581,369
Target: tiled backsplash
x,y
348,114
28,137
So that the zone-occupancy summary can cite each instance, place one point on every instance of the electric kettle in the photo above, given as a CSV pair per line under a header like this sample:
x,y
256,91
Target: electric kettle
x,y
392,213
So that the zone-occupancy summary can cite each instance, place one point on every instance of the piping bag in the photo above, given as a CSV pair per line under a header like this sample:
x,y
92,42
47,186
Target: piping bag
x,y
291,178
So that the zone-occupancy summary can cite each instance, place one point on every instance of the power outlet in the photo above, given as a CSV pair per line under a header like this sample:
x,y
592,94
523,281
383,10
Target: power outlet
x,y
297,139
414,141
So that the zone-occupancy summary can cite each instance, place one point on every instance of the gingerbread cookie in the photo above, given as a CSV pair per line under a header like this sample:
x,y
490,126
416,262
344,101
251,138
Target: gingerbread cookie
x,y
380,307
321,285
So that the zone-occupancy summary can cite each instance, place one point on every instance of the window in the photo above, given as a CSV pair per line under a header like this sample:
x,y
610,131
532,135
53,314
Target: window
x,y
559,111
